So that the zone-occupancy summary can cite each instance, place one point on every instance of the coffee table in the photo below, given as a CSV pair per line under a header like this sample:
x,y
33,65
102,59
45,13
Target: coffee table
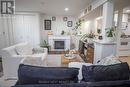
x,y
65,61
125,59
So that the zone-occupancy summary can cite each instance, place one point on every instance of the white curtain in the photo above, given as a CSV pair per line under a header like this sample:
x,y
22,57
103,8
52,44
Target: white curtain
x,y
21,28
6,30
2,34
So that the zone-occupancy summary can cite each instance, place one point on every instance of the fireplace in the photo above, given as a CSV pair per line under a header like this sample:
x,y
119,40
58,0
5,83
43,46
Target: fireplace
x,y
59,44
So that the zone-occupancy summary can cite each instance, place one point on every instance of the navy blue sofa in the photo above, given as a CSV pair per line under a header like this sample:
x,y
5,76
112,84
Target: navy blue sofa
x,y
123,83
32,76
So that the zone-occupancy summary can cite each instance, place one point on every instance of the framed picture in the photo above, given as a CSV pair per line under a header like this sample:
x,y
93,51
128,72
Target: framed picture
x,y
47,24
65,18
53,18
69,23
124,25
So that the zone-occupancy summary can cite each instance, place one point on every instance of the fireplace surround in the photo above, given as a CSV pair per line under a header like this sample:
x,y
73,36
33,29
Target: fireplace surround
x,y
59,43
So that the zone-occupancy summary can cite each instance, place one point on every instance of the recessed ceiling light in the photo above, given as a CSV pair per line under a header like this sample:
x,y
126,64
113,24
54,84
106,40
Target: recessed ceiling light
x,y
66,9
127,10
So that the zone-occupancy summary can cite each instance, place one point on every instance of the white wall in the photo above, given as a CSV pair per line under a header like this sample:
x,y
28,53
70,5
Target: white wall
x,y
125,19
89,26
127,31
57,26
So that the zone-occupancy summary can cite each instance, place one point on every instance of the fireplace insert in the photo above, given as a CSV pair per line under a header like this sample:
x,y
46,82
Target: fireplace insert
x,y
59,44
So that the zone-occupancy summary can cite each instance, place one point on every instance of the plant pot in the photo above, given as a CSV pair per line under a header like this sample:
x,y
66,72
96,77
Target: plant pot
x,y
47,48
110,39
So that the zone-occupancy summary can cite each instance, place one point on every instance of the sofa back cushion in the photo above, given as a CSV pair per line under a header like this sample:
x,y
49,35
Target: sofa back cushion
x,y
46,75
79,65
105,73
24,49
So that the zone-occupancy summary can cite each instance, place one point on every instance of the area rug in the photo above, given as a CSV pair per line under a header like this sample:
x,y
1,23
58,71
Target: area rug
x,y
54,60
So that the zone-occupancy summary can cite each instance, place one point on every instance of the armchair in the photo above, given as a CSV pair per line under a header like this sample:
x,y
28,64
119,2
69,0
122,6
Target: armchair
x,y
21,53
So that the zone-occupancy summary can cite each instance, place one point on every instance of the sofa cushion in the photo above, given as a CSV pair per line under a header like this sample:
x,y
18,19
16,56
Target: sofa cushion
x,y
40,75
24,49
79,65
105,73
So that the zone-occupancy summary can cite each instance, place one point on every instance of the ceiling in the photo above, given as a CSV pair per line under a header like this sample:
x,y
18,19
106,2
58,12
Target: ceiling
x,y
56,7
52,7
121,4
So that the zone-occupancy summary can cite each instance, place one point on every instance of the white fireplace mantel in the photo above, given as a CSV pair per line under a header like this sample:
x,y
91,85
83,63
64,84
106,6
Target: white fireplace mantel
x,y
52,39
59,37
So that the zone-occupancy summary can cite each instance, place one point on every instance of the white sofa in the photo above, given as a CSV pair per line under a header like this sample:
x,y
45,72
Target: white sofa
x,y
20,53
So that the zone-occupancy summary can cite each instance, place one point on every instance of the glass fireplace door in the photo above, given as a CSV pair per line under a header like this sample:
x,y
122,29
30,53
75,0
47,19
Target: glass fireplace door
x,y
60,45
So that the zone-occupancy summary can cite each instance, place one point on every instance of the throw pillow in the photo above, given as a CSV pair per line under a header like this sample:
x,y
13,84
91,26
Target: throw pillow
x,y
46,75
109,60
79,65
105,73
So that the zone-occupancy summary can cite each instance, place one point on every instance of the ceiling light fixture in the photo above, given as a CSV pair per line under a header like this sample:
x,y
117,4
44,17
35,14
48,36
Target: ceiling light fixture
x,y
66,9
128,11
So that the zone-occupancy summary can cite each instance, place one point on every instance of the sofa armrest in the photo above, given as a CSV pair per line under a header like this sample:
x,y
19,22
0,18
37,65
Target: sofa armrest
x,y
25,56
40,50
28,56
19,56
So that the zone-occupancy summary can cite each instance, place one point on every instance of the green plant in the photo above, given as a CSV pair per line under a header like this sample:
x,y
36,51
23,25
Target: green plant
x,y
44,44
110,32
91,35
78,25
62,32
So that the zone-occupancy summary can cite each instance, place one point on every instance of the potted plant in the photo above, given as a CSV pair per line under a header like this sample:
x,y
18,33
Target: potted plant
x,y
90,37
77,27
110,32
45,45
62,32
